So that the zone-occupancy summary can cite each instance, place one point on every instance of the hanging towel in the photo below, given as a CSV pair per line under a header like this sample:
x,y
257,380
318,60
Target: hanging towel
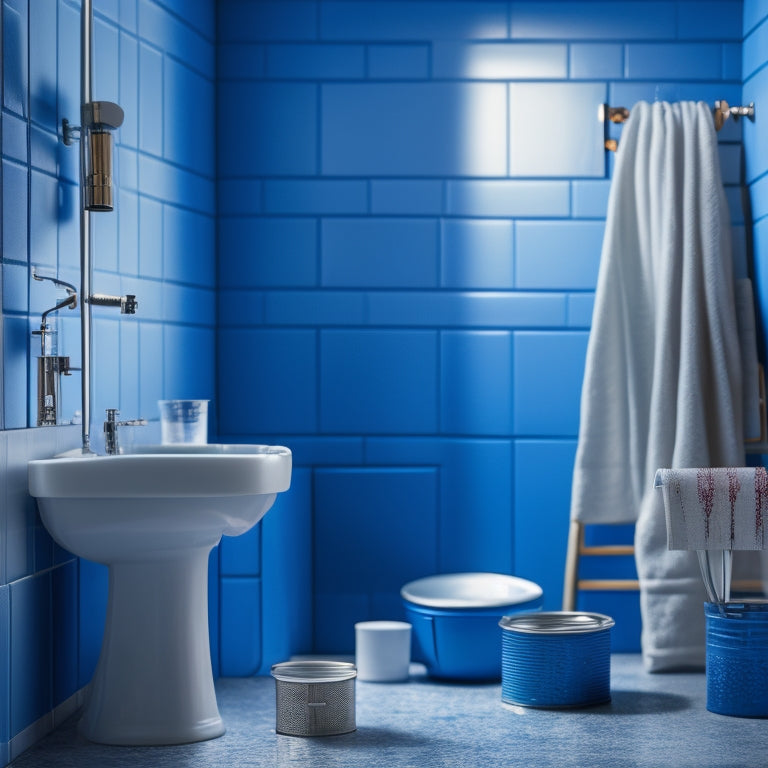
x,y
715,508
662,383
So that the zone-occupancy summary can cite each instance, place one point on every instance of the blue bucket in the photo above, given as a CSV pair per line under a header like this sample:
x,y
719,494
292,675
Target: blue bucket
x,y
455,619
737,658
556,660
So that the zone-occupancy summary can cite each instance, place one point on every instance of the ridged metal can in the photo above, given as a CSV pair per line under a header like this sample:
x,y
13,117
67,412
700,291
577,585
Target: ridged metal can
x,y
556,659
314,698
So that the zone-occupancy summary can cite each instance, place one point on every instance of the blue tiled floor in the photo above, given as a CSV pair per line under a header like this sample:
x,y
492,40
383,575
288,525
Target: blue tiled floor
x,y
653,720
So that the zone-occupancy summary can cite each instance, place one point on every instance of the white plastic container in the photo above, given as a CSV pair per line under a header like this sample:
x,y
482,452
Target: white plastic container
x,y
382,651
183,422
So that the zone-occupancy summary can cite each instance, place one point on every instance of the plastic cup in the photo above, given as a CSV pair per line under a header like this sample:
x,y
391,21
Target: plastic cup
x,y
382,651
183,421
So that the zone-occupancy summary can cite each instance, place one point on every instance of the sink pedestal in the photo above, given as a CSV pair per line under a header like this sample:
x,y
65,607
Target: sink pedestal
x,y
154,683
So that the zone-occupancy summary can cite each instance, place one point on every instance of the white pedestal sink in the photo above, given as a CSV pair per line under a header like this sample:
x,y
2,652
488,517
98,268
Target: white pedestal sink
x,y
153,517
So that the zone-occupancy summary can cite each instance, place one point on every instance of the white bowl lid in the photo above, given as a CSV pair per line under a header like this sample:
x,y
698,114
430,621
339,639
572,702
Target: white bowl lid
x,y
470,590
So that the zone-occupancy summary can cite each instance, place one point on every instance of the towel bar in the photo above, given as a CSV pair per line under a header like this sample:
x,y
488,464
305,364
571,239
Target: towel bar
x,y
721,112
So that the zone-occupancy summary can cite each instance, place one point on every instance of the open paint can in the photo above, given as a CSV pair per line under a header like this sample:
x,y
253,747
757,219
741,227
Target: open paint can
x,y
556,659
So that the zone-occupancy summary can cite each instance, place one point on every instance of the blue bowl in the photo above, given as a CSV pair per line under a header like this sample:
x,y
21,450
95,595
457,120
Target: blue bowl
x,y
455,619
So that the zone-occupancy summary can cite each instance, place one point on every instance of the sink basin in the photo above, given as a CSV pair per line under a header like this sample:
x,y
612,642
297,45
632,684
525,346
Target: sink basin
x,y
153,517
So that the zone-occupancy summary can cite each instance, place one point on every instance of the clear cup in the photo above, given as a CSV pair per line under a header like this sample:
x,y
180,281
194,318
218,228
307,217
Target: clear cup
x,y
183,421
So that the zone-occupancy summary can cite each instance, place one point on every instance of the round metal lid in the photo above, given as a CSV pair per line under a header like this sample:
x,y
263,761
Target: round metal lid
x,y
313,671
557,623
470,590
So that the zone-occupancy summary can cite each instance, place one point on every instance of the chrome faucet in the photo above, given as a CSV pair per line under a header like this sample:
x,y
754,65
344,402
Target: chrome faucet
x,y
111,444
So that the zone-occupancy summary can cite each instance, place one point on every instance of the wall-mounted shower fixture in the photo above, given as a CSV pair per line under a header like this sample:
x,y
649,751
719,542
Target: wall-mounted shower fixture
x,y
97,121
50,365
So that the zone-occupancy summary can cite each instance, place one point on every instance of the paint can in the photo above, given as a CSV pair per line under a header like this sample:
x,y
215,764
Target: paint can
x,y
556,659
737,658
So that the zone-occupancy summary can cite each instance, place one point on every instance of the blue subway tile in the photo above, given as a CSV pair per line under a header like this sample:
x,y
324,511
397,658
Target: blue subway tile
x,y
282,133
758,195
241,308
150,238
732,61
188,304
590,61
240,634
673,61
393,253
189,246
245,21
241,555
316,61
580,306
733,196
14,138
549,369
755,11
43,215
577,151
481,309
557,255
590,198
168,33
188,142
315,196
68,84
543,470
241,61
389,518
15,392
43,150
492,198
755,150
389,129
150,351
271,252
380,20
183,376
593,20
334,617
42,64
128,15
104,232
709,20
15,290
130,385
151,100
398,62
15,60
378,381
30,652
238,197
730,163
175,185
15,185
312,308
754,49
499,61
129,90
201,16
477,254
65,631
476,382
106,50
279,368
127,168
128,229
406,196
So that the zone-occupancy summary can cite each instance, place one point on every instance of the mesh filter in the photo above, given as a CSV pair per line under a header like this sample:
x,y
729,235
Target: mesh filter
x,y
314,698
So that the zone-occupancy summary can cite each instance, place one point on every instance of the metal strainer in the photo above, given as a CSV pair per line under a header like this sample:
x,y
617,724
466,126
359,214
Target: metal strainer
x,y
314,698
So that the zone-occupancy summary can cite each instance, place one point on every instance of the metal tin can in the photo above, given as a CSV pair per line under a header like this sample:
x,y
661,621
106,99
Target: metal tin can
x,y
314,698
556,659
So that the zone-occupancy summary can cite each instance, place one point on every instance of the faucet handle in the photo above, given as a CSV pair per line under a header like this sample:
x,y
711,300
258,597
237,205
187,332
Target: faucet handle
x,y
111,443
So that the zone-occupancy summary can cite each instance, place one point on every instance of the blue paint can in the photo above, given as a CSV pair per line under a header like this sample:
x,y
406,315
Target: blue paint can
x,y
556,659
737,658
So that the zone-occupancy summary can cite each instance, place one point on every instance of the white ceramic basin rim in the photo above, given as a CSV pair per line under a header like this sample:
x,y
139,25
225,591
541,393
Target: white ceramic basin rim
x,y
165,472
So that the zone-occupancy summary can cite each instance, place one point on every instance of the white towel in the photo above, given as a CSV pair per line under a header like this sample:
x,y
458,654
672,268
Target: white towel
x,y
662,384
715,508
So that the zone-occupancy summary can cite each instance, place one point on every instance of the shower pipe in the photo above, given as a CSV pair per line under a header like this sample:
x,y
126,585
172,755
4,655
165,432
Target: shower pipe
x,y
720,113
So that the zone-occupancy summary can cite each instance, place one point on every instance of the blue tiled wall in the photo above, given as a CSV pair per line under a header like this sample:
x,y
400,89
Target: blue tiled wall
x,y
409,238
157,59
